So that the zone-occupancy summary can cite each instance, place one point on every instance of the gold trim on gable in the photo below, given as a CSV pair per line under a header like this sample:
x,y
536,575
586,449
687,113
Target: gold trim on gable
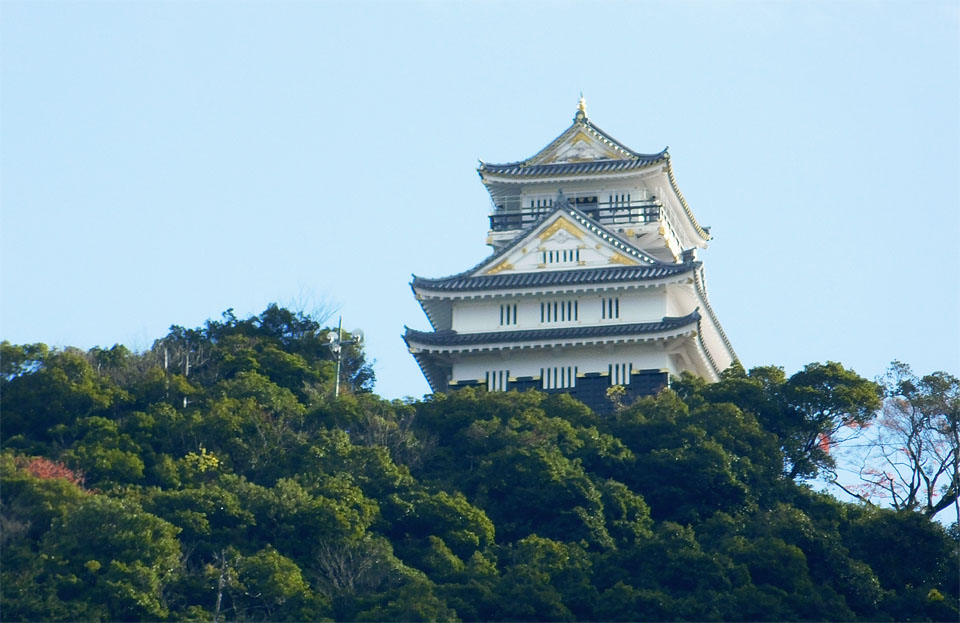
x,y
583,136
620,258
504,265
579,135
561,223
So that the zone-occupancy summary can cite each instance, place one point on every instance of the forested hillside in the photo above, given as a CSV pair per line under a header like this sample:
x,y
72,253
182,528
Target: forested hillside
x,y
216,477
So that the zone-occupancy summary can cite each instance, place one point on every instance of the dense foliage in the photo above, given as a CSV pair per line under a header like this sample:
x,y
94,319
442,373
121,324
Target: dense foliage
x,y
215,477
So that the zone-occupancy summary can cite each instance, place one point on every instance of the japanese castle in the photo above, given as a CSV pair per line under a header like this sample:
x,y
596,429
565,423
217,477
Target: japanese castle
x,y
593,282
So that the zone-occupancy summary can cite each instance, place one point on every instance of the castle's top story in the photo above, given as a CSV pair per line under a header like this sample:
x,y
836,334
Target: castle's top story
x,y
582,161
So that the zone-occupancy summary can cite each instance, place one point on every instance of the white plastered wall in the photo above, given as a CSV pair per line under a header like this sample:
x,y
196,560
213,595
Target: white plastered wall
x,y
601,187
639,305
680,300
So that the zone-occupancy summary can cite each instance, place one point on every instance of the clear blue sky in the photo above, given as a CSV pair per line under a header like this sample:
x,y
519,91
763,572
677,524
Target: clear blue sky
x,y
161,162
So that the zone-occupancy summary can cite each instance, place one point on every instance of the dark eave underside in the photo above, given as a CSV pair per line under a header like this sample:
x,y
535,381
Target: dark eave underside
x,y
515,169
583,276
453,338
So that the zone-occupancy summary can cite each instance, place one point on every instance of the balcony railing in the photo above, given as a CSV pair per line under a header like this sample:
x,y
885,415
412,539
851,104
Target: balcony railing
x,y
611,213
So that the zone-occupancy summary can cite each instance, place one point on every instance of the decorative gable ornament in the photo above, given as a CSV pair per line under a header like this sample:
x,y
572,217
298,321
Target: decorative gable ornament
x,y
580,148
561,237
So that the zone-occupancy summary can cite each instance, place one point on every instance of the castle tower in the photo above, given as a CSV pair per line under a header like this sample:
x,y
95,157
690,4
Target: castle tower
x,y
593,280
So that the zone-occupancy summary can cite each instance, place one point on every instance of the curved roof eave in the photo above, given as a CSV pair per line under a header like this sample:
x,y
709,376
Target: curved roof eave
x,y
454,338
556,169
706,351
423,305
701,290
422,360
573,277
703,233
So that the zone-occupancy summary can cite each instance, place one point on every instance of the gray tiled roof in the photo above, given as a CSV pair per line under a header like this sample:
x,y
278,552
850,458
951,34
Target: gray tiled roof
x,y
523,168
582,276
519,169
453,338
566,207
582,122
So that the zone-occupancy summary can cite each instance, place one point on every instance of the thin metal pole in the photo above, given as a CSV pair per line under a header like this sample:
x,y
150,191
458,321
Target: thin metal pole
x,y
336,384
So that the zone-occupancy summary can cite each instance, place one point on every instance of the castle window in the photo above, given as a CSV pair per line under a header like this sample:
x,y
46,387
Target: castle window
x,y
558,377
508,314
620,373
559,311
619,200
497,380
610,308
560,256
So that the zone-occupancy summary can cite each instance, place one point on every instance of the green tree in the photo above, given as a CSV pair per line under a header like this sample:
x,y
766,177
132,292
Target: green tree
x,y
18,360
44,395
463,528
103,453
682,469
211,516
539,491
112,560
546,580
413,601
213,477
274,589
811,412
826,398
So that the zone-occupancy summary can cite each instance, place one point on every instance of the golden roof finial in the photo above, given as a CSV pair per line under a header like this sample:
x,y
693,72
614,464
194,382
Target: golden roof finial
x,y
581,115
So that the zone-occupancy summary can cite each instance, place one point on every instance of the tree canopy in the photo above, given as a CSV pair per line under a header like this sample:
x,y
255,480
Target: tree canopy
x,y
215,476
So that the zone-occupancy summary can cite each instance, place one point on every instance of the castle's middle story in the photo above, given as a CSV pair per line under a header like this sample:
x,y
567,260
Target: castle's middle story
x,y
593,281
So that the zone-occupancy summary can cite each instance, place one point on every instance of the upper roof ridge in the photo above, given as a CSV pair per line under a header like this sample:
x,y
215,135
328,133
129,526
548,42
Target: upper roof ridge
x,y
581,123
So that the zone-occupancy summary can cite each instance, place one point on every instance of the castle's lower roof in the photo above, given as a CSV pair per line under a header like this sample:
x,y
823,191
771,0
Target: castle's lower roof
x,y
582,276
451,338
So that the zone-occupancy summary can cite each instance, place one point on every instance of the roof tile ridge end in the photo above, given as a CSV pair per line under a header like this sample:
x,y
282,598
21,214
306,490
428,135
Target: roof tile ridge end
x,y
694,315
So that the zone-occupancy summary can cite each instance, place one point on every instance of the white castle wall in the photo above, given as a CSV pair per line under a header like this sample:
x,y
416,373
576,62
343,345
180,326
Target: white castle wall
x,y
645,305
616,186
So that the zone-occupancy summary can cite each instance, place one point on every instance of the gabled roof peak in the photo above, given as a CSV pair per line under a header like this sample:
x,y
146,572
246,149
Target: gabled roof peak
x,y
571,214
581,143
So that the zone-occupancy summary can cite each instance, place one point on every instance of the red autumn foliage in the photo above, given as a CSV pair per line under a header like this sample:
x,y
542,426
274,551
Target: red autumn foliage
x,y
44,468
824,443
